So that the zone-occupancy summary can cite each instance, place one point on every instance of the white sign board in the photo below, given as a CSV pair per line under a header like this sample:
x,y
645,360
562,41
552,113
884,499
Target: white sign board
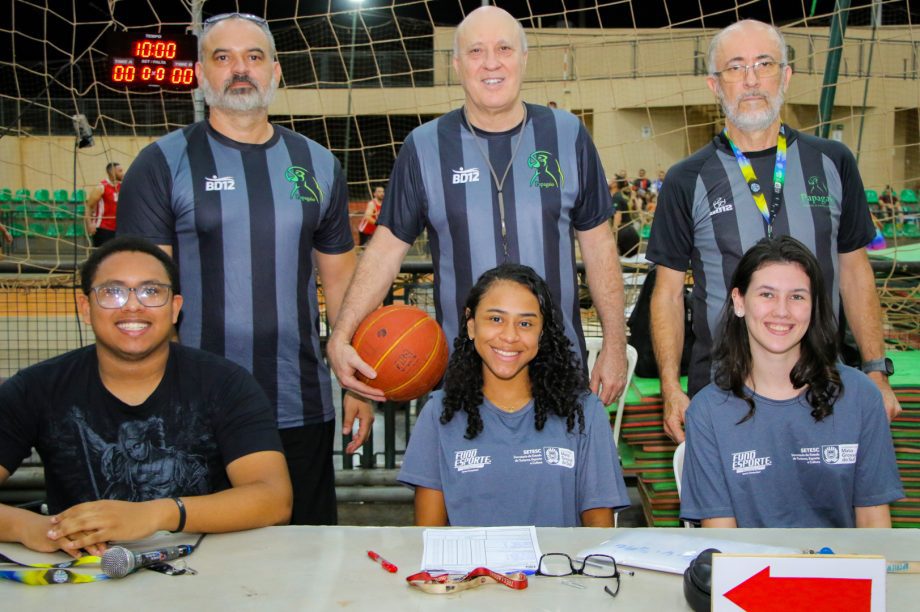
x,y
754,583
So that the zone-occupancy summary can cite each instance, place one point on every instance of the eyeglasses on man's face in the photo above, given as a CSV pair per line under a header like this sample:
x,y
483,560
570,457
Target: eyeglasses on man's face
x,y
594,566
210,21
115,295
764,69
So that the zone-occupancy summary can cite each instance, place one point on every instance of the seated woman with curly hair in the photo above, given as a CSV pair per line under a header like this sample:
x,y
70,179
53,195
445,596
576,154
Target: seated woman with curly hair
x,y
786,436
515,437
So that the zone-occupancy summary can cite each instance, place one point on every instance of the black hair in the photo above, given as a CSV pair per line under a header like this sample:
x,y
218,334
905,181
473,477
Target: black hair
x,y
817,364
557,377
111,166
124,244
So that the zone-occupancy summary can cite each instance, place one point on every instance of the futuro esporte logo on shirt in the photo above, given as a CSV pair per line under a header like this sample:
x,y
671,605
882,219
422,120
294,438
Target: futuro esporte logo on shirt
x,y
747,462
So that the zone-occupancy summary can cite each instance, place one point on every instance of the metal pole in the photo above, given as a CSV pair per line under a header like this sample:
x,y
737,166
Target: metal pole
x,y
832,67
195,27
876,22
351,70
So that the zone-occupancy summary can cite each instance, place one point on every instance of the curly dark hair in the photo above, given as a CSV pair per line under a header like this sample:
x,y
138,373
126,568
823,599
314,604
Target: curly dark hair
x,y
557,378
817,364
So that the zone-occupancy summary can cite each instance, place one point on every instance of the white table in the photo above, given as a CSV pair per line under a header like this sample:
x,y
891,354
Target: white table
x,y
324,568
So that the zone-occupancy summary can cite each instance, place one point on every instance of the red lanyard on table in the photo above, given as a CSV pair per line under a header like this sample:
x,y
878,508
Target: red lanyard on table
x,y
443,583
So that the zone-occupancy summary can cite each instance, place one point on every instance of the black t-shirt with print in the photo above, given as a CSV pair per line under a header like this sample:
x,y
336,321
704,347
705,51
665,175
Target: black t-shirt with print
x,y
205,413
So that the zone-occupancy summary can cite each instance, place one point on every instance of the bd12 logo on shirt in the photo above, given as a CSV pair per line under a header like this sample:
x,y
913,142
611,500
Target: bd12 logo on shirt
x,y
563,457
470,461
839,454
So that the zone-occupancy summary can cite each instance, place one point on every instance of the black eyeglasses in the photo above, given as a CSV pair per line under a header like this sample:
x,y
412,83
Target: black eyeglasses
x,y
151,295
557,565
210,21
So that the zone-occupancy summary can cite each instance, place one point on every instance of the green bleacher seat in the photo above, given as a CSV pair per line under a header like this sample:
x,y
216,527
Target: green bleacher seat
x,y
871,196
78,197
17,230
80,210
908,196
22,195
6,194
60,196
23,211
42,195
63,212
42,211
52,230
74,230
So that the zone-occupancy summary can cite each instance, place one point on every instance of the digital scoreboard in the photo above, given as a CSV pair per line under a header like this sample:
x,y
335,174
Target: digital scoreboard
x,y
152,61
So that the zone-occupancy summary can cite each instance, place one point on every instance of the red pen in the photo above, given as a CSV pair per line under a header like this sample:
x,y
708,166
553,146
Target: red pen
x,y
383,562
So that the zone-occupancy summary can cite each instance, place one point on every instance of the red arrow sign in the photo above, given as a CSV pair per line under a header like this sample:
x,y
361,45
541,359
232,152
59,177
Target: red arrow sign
x,y
760,593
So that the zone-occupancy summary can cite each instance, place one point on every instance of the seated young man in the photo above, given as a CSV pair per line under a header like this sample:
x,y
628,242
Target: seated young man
x,y
138,434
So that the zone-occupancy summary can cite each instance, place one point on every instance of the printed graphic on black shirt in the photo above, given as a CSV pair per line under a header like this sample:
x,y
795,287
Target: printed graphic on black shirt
x,y
138,465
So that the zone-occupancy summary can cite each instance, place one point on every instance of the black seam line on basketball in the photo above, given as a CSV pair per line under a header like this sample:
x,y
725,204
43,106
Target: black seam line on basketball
x,y
399,339
421,370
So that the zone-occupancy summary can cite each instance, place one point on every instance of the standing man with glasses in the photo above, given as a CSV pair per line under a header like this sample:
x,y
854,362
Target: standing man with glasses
x,y
247,207
136,434
496,181
758,177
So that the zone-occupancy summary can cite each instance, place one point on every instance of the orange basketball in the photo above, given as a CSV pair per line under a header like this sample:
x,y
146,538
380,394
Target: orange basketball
x,y
406,347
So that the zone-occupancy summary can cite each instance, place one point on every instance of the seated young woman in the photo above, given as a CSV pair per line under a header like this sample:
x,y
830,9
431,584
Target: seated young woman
x,y
515,437
786,436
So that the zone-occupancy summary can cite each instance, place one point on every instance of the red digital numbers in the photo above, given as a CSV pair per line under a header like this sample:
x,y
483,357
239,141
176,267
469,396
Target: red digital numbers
x,y
159,49
182,76
123,73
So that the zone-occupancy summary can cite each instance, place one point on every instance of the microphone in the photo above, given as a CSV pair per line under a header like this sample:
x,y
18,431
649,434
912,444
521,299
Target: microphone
x,y
118,561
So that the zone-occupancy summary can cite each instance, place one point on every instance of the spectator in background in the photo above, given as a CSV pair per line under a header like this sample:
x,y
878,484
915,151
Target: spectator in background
x,y
369,220
891,206
627,236
642,182
102,204
658,183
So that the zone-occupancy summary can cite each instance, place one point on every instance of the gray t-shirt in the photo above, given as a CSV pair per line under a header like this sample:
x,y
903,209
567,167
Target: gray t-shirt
x,y
512,474
781,468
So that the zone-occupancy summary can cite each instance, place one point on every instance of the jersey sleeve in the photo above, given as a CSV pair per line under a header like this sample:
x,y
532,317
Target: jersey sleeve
x,y
405,204
704,492
145,199
856,228
671,241
594,205
333,235
421,467
877,480
18,423
600,480
245,420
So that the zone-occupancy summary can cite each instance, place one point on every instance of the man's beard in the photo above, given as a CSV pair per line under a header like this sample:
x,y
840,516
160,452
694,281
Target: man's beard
x,y
754,120
239,100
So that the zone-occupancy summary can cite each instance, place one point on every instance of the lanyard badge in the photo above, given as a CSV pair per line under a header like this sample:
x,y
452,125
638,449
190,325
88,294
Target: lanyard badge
x,y
779,178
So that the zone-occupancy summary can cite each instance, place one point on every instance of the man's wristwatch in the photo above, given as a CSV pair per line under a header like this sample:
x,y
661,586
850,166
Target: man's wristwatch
x,y
885,366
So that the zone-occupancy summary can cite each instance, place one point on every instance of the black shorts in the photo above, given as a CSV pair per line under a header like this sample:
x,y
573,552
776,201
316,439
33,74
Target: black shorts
x,y
308,450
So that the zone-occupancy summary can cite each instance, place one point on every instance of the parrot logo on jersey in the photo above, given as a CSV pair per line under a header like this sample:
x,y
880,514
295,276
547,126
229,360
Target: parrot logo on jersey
x,y
547,170
306,187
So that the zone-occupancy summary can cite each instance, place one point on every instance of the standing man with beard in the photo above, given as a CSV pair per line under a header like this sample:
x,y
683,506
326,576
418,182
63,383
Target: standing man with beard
x,y
246,207
757,178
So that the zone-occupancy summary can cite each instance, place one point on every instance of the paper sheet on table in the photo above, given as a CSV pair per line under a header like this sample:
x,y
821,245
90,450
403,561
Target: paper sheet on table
x,y
670,552
502,549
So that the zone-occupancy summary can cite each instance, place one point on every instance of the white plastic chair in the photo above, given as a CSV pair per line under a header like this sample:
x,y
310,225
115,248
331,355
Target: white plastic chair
x,y
679,471
593,345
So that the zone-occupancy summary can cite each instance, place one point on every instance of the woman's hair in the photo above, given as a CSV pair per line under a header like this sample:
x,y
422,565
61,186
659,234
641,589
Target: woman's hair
x,y
557,377
816,366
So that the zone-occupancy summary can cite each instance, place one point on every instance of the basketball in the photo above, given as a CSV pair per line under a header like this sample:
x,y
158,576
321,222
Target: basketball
x,y
406,348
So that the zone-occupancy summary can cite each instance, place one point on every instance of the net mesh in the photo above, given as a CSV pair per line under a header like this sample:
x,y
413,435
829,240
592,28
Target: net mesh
x,y
358,79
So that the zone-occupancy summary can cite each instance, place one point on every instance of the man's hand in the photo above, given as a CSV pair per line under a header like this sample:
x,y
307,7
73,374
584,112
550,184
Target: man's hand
x,y
892,405
354,406
34,531
346,363
675,407
95,523
608,377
